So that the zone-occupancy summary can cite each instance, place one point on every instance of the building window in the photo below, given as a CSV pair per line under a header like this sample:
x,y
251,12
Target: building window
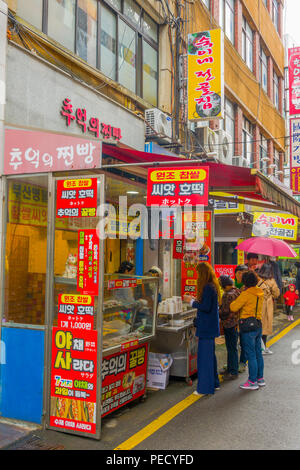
x,y
275,13
263,155
61,22
86,31
247,44
227,18
128,48
248,142
229,124
263,71
31,11
275,90
206,3
276,161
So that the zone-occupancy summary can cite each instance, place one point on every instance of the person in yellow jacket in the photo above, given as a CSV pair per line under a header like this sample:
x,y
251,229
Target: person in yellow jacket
x,y
250,303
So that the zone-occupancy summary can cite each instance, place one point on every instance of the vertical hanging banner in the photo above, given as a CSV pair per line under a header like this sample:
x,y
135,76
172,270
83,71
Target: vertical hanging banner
x,y
206,75
88,262
74,380
195,252
295,154
294,80
76,198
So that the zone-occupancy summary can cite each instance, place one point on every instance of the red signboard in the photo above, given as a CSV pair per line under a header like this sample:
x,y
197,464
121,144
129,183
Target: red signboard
x,y
75,311
178,186
294,80
121,283
225,270
39,152
74,380
88,262
123,378
295,154
76,198
199,223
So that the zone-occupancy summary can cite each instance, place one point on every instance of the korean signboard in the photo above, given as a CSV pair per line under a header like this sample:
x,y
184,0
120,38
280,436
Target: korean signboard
x,y
39,152
28,205
225,270
206,75
123,378
76,198
73,380
200,223
225,207
88,262
88,124
76,311
295,154
178,186
294,80
274,225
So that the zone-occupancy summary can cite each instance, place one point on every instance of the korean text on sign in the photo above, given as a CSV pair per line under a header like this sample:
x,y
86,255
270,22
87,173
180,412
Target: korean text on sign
x,y
178,187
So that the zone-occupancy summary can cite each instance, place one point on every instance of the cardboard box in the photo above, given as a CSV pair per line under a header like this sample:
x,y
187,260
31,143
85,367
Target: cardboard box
x,y
158,370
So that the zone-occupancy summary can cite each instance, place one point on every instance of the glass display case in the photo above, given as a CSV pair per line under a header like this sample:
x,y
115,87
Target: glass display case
x,y
129,310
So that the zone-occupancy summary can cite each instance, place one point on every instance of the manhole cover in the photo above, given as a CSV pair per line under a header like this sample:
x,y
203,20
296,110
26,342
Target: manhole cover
x,y
36,443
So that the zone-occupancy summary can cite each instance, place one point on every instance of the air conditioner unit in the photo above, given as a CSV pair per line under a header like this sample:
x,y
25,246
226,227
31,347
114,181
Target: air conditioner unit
x,y
208,139
225,149
240,161
158,125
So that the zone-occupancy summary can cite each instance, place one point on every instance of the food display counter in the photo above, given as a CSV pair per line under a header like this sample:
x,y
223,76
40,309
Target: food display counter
x,y
175,335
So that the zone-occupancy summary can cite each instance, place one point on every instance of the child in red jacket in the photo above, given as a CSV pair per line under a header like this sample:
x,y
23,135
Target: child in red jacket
x,y
290,298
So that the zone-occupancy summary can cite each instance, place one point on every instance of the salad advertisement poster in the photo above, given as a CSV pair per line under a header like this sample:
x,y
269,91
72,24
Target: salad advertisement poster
x,y
195,248
74,380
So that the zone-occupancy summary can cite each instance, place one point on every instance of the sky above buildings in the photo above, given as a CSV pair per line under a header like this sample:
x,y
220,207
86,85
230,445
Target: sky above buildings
x,y
292,15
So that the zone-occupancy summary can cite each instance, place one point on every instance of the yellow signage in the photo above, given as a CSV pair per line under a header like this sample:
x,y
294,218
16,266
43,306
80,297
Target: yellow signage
x,y
275,225
206,75
28,205
78,183
225,207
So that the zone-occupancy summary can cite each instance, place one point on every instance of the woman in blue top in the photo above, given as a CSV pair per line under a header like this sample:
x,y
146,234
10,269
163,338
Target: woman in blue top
x,y
207,328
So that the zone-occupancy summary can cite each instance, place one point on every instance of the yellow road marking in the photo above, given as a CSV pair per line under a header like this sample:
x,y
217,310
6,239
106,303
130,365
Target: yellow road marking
x,y
166,417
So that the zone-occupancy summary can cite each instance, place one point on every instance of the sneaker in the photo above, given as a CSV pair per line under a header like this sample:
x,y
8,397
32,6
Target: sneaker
x,y
292,318
217,388
266,352
261,382
249,385
196,393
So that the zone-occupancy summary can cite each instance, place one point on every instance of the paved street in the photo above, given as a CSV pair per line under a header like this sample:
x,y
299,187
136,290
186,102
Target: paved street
x,y
232,419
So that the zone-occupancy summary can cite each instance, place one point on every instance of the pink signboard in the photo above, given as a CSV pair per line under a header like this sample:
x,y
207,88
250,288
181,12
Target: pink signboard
x,y
294,80
39,152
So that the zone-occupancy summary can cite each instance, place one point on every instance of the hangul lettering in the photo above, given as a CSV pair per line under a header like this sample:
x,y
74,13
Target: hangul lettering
x,y
105,368
81,118
198,188
47,159
116,132
113,365
78,344
32,156
94,126
67,309
86,150
67,110
185,189
141,356
68,194
106,130
16,158
83,365
26,192
16,189
67,153
122,363
133,359
36,196
169,189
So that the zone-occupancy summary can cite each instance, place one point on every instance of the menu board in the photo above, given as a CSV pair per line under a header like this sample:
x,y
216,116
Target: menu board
x,y
75,311
76,198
